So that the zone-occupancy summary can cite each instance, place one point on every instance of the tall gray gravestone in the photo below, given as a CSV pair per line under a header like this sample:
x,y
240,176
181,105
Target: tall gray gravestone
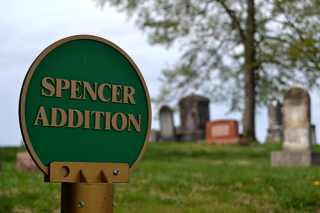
x,y
194,113
297,147
167,129
275,132
296,120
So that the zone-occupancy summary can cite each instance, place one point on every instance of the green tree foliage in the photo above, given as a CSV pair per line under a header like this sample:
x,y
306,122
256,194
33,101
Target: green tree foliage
x,y
240,52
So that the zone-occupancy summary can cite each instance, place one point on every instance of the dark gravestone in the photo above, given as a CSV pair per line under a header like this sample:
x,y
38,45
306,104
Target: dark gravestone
x,y
297,147
313,134
194,113
167,129
275,133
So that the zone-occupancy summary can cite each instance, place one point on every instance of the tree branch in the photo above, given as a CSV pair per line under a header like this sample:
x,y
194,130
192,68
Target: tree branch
x,y
288,21
235,21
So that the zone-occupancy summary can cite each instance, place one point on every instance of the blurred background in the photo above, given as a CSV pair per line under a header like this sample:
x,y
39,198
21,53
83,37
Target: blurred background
x,y
28,27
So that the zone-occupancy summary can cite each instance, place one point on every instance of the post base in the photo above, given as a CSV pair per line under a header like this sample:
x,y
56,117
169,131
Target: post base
x,y
87,197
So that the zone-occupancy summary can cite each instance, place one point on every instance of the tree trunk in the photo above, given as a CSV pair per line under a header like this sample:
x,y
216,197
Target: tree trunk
x,y
249,75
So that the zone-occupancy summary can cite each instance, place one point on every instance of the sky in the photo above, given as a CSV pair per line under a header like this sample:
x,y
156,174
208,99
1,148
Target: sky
x,y
28,27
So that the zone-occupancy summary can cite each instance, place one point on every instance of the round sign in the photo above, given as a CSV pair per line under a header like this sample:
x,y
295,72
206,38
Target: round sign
x,y
84,100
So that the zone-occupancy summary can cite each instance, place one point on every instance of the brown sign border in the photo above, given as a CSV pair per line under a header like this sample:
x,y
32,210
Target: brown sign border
x,y
27,79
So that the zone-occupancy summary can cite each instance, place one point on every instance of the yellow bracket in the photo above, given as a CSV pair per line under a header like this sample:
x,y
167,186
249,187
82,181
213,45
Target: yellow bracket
x,y
75,172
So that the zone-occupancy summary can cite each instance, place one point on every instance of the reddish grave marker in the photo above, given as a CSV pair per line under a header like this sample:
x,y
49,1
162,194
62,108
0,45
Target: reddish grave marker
x,y
223,132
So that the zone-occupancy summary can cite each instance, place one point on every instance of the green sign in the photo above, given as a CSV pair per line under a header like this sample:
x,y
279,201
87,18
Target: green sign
x,y
84,100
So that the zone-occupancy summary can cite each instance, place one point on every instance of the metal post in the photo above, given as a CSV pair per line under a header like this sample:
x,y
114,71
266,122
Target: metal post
x,y
87,197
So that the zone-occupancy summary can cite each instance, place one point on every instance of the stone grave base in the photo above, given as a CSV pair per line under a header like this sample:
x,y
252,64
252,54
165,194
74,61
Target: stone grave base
x,y
240,141
274,136
294,158
191,136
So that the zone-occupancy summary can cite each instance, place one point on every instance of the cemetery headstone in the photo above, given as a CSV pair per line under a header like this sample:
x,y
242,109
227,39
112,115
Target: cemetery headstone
x,y
194,113
154,135
275,133
296,120
167,129
313,134
223,132
297,147
25,162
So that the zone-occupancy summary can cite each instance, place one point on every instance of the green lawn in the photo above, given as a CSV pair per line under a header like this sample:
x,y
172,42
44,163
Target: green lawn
x,y
183,177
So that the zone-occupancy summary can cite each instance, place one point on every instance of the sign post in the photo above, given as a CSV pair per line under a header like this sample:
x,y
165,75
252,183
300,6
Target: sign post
x,y
85,117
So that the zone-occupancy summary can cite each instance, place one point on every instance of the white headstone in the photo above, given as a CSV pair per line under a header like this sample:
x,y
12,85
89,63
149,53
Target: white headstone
x,y
296,120
297,144
167,130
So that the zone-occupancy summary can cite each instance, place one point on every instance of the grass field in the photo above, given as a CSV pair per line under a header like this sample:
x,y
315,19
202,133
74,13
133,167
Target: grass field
x,y
183,177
